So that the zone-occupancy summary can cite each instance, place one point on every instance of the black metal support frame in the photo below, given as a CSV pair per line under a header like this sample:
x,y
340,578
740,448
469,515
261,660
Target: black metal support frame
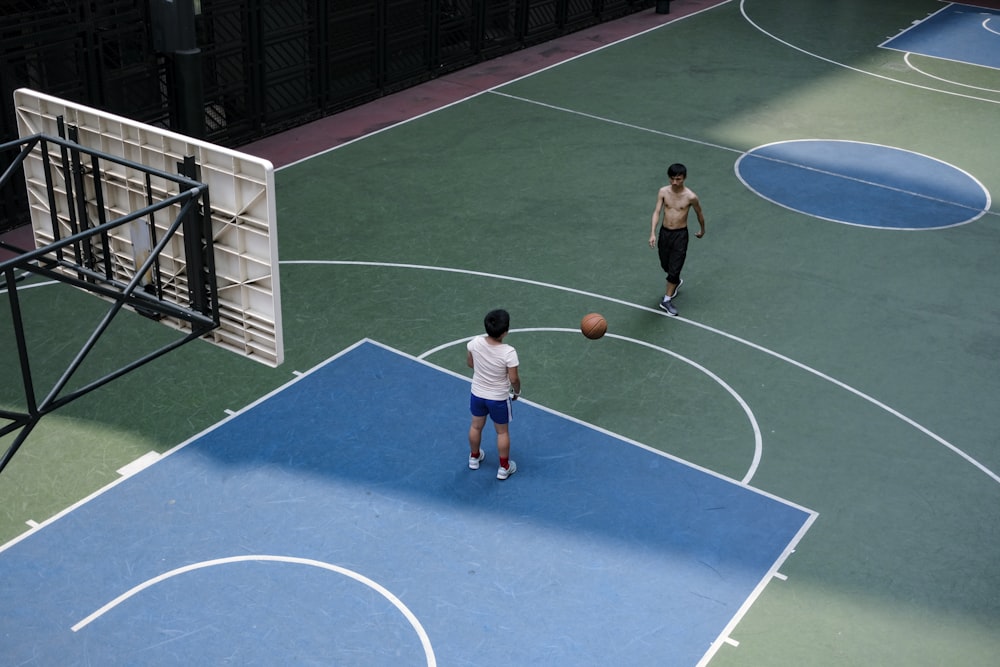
x,y
82,260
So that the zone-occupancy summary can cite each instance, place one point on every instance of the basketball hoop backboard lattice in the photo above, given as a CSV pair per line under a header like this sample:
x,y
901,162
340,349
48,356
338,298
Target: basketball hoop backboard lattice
x,y
243,214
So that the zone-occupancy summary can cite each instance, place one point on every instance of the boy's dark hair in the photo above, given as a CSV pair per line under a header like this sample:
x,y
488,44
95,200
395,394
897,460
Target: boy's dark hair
x,y
677,169
497,322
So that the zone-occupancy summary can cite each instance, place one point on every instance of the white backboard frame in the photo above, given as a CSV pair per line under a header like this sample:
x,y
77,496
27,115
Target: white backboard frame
x,y
244,217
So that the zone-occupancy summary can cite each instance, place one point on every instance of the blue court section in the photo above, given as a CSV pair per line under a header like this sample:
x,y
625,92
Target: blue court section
x,y
957,32
336,522
863,184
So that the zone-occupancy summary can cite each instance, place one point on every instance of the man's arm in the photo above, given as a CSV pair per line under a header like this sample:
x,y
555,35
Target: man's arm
x,y
696,205
656,220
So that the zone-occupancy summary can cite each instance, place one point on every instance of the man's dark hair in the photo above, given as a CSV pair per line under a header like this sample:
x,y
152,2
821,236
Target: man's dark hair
x,y
677,169
497,322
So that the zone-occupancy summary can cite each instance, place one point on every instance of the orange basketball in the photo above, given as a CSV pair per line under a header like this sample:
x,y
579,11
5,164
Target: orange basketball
x,y
593,325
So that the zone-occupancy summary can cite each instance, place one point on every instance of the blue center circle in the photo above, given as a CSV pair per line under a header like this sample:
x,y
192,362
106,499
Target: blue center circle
x,y
863,184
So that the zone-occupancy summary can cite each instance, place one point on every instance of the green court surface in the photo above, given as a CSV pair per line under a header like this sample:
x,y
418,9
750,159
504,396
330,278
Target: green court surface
x,y
851,370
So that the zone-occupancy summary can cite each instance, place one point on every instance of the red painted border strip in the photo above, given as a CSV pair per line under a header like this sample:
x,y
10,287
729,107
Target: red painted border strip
x,y
985,4
302,142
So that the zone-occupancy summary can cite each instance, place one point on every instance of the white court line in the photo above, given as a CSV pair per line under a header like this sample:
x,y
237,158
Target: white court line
x,y
381,590
855,69
906,59
768,158
617,436
734,621
760,348
141,463
757,438
726,635
617,122
30,285
230,415
916,24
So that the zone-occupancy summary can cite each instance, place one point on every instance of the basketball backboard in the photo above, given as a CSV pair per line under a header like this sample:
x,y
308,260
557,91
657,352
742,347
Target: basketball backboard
x,y
243,214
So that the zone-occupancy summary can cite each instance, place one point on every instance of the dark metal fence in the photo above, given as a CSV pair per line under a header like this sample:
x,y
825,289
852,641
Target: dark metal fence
x,y
265,65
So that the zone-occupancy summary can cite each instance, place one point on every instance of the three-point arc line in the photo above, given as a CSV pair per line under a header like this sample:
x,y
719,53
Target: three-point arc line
x,y
760,348
381,590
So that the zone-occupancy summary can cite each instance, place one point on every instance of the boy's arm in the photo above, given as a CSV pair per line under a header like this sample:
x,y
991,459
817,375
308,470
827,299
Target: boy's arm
x,y
515,381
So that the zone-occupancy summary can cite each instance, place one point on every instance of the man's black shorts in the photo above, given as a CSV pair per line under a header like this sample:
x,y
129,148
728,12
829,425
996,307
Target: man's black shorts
x,y
672,245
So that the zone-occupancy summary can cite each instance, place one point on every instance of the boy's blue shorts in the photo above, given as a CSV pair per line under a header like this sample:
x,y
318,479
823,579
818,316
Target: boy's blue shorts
x,y
499,411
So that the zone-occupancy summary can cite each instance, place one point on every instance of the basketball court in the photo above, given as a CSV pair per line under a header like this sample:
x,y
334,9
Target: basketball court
x,y
800,468
593,524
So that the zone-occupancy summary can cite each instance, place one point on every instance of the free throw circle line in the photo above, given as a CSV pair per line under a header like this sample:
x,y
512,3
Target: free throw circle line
x,y
758,439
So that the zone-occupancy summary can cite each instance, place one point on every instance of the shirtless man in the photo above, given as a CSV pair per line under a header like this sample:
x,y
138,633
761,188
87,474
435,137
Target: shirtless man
x,y
675,200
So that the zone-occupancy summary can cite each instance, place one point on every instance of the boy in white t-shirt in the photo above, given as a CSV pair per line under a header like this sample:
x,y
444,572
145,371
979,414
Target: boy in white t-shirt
x,y
495,384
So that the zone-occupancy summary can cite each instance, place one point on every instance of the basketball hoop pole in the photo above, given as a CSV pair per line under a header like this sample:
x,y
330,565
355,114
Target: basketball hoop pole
x,y
176,38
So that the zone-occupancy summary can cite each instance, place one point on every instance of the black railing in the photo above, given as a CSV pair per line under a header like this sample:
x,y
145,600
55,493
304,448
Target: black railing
x,y
266,65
